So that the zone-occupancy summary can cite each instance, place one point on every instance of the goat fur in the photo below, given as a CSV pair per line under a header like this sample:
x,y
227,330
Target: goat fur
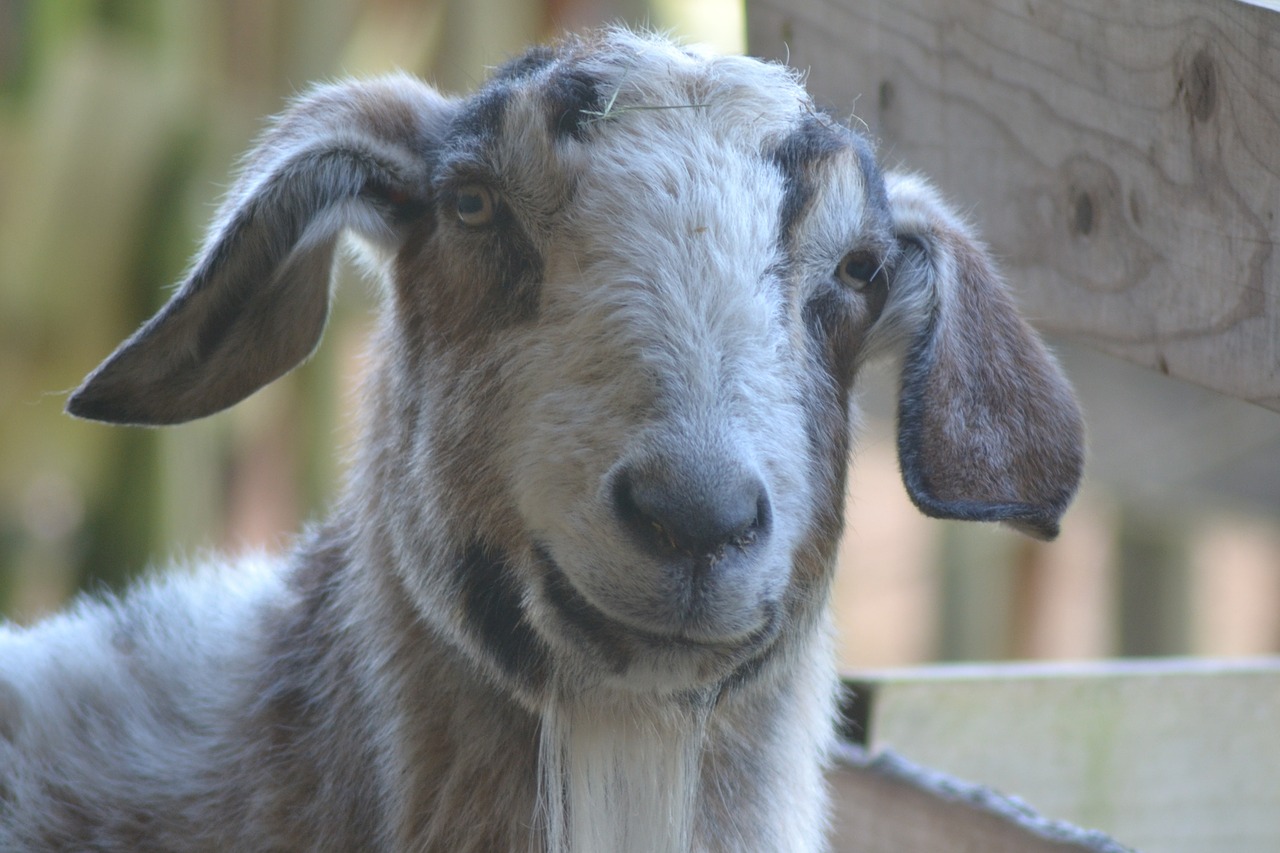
x,y
574,594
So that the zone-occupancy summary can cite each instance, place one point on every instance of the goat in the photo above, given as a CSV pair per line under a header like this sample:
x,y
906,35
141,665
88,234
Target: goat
x,y
574,594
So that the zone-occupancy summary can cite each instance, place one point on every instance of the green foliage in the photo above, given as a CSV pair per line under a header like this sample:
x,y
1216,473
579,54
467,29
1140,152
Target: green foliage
x,y
119,123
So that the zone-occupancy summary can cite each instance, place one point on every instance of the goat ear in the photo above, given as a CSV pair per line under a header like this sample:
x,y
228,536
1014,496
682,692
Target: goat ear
x,y
988,428
256,300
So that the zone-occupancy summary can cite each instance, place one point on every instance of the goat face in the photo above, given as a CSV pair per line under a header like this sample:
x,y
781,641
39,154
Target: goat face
x,y
630,289
670,403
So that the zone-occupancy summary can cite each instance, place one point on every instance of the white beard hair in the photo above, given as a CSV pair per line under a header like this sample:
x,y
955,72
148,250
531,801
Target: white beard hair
x,y
619,774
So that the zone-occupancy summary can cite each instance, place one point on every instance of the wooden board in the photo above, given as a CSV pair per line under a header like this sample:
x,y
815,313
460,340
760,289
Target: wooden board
x,y
1174,756
1122,158
885,804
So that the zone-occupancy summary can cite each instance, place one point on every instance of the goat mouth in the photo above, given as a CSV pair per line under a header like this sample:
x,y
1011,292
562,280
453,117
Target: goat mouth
x,y
615,638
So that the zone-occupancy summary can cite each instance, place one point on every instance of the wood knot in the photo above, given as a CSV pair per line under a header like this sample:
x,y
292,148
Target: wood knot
x,y
1198,86
887,96
1082,223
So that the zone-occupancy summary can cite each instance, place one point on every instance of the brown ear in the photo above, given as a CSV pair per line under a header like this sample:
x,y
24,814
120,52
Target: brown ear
x,y
257,298
988,428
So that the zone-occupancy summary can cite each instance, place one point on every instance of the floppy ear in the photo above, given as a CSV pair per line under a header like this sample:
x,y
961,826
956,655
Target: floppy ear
x,y
988,428
257,297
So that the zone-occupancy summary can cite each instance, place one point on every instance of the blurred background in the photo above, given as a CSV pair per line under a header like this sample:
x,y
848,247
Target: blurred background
x,y
120,121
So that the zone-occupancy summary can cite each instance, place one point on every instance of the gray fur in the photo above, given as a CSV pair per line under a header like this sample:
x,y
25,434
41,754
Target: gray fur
x,y
574,594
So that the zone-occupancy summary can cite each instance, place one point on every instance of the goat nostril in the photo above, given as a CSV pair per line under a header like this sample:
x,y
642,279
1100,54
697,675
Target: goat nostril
x,y
694,517
762,519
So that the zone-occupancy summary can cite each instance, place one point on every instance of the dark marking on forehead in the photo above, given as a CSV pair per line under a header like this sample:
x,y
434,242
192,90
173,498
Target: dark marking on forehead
x,y
525,66
809,144
494,614
814,141
573,95
480,118
873,183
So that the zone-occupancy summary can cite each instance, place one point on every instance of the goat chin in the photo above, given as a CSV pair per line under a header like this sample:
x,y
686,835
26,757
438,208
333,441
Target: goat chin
x,y
620,774
574,595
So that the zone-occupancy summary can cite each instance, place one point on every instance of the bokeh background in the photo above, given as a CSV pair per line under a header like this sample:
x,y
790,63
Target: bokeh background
x,y
120,121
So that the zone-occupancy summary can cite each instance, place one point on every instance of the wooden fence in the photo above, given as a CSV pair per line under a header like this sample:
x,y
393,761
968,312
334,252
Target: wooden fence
x,y
1174,756
1120,157
1123,161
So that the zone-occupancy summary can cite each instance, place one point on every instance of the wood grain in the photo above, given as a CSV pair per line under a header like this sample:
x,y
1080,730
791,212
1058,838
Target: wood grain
x,y
1165,755
1121,158
885,804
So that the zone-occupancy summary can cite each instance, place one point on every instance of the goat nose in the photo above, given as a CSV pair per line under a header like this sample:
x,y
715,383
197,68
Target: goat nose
x,y
675,512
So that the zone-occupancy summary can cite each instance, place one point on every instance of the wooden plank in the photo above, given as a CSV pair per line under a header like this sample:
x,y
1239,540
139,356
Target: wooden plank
x,y
1172,756
885,804
1120,157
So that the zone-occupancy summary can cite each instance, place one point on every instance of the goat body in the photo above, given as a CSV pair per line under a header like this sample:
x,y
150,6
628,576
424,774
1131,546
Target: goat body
x,y
574,595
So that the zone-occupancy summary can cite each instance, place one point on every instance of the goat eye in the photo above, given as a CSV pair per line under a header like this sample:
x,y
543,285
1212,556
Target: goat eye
x,y
475,205
858,269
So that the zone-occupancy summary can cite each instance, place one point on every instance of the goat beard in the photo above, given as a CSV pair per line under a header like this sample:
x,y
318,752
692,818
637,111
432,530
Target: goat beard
x,y
620,773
